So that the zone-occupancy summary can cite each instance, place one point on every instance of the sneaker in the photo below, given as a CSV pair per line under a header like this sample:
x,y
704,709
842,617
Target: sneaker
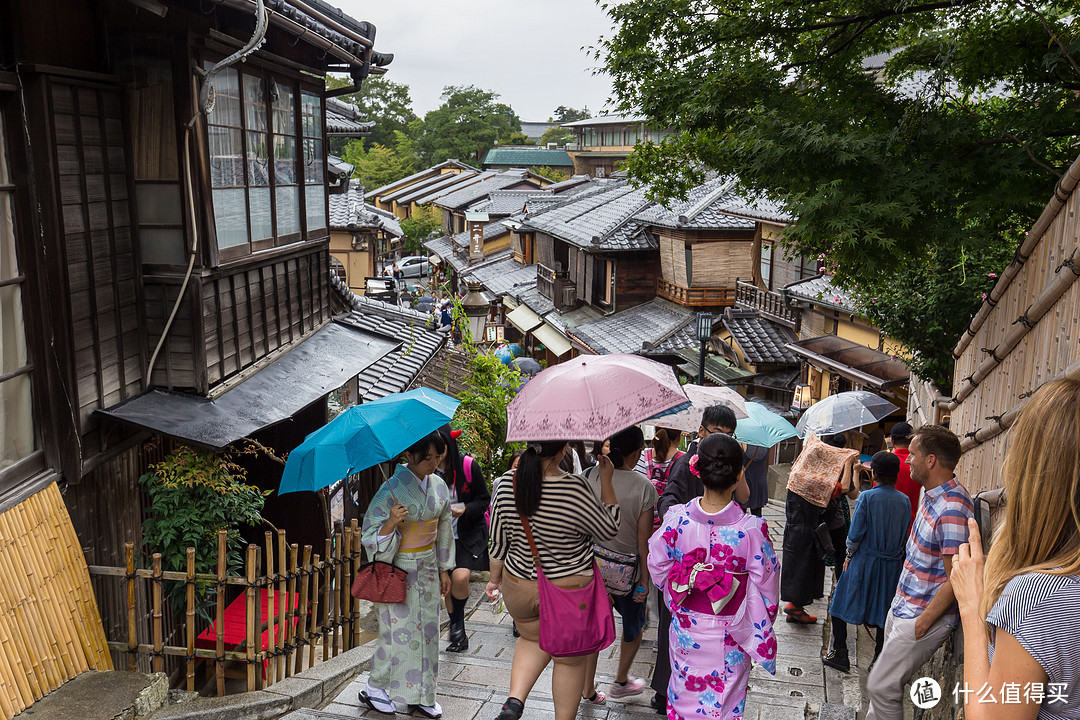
x,y
798,615
632,686
598,698
511,710
837,660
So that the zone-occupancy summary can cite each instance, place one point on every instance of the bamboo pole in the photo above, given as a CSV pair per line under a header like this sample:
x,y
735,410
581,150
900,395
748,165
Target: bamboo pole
x,y
159,662
283,602
313,632
346,600
305,610
27,643
271,670
133,640
260,657
354,569
249,615
189,617
22,695
326,641
292,619
219,646
337,594
11,642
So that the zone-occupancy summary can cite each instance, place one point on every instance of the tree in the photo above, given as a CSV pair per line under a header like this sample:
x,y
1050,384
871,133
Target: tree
x,y
914,142
386,102
421,223
552,174
565,114
469,122
559,136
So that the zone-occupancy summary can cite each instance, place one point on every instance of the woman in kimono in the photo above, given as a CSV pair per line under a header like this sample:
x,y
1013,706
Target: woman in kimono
x,y
408,524
718,573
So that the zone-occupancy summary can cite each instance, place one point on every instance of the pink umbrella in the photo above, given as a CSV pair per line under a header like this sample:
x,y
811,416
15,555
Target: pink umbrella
x,y
592,397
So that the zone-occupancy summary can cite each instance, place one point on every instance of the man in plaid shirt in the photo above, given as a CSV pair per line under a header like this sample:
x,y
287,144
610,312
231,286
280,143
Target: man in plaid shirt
x,y
924,610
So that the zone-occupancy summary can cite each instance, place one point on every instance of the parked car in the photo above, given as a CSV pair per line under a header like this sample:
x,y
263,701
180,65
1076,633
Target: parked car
x,y
412,266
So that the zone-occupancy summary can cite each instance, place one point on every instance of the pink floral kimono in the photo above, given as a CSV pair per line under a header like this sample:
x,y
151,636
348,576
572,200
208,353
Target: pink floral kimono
x,y
719,577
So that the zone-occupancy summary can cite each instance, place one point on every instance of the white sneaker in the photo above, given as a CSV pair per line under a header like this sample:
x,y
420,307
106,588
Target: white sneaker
x,y
633,686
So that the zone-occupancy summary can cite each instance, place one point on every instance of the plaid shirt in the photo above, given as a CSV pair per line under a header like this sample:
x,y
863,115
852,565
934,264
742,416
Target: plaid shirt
x,y
940,529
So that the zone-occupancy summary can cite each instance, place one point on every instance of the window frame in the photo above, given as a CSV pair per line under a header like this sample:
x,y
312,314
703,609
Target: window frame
x,y
299,85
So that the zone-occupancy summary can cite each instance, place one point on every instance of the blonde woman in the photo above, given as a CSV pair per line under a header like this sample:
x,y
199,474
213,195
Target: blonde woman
x,y
1018,604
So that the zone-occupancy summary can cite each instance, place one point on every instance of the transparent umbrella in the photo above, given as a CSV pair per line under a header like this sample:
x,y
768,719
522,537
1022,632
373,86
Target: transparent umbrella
x,y
843,411
701,397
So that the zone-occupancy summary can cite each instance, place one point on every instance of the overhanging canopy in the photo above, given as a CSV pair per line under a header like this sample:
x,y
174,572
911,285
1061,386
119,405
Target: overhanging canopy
x,y
523,318
552,340
855,362
318,365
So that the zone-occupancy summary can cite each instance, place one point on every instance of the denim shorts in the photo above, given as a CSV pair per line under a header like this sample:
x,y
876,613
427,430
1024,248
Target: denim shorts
x,y
633,615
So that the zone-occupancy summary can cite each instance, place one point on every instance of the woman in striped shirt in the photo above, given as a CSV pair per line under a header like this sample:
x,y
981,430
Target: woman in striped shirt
x,y
566,519
1018,605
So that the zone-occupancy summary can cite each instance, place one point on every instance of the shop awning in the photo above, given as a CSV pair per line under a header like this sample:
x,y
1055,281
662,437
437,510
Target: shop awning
x,y
855,362
315,367
552,339
717,369
523,318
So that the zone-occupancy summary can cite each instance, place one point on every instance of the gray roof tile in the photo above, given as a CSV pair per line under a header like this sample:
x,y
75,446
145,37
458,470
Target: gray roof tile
x,y
433,170
716,204
503,276
627,331
600,220
763,342
348,211
476,191
508,202
345,119
821,291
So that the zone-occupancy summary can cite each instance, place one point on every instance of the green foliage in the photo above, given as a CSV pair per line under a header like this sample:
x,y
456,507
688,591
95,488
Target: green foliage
x,y
469,122
384,101
423,221
923,191
559,136
379,165
552,174
517,138
193,494
565,114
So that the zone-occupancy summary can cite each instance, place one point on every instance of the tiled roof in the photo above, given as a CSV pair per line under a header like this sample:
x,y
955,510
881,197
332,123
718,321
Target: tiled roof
x,y
424,192
606,120
503,276
508,202
717,369
716,204
573,182
528,295
684,337
433,170
536,130
761,341
527,157
343,119
445,247
821,291
627,331
598,220
472,193
420,341
348,212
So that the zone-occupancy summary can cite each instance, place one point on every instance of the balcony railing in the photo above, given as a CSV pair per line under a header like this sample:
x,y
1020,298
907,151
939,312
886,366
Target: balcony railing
x,y
769,304
695,297
557,287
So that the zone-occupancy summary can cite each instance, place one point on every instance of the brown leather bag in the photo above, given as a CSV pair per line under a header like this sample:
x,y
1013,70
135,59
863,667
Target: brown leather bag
x,y
379,582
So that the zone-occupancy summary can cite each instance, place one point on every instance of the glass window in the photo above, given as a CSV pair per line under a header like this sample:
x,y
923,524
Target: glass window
x,y
314,157
766,264
17,436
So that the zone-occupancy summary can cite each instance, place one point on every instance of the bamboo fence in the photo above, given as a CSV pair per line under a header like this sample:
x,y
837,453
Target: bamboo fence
x,y
314,609
50,629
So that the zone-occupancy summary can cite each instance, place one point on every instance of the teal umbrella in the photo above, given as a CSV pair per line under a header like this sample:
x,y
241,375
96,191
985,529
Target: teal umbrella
x,y
763,427
363,436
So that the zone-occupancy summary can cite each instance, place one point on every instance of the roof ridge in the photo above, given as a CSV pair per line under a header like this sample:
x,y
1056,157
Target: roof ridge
x,y
696,209
645,202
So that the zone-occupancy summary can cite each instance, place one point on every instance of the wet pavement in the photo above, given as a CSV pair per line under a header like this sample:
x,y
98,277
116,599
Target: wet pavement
x,y
473,685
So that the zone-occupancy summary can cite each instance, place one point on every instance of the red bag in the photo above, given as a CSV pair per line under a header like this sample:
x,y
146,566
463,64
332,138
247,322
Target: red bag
x,y
379,582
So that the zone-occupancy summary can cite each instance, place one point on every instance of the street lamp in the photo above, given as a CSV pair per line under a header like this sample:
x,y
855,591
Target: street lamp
x,y
704,332
476,309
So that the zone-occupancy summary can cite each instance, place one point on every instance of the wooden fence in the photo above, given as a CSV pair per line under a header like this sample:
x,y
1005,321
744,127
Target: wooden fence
x,y
305,595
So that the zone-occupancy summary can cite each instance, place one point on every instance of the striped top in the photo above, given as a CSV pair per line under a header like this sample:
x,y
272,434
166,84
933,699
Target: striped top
x,y
1036,609
940,529
565,526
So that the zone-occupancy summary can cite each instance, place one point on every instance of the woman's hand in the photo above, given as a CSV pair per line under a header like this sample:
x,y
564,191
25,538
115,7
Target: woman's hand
x,y
444,583
641,593
457,511
398,514
605,468
492,590
968,568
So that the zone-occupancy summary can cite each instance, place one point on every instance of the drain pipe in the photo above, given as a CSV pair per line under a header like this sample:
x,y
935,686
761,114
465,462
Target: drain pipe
x,y
206,105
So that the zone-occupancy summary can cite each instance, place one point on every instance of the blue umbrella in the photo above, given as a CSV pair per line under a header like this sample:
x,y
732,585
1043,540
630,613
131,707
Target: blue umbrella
x,y
504,354
763,427
364,436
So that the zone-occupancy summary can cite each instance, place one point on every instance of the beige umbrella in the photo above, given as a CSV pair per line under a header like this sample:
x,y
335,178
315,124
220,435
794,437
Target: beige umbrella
x,y
701,397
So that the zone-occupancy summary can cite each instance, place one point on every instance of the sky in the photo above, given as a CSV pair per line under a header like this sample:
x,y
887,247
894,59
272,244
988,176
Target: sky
x,y
530,52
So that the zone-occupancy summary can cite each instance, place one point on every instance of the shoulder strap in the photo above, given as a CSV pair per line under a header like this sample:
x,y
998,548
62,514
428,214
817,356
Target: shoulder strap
x,y
528,529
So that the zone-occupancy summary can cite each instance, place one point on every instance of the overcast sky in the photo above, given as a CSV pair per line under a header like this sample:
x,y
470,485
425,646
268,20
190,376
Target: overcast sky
x,y
528,51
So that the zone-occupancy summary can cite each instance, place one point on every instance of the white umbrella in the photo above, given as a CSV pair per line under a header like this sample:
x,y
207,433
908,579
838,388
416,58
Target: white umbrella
x,y
843,411
701,397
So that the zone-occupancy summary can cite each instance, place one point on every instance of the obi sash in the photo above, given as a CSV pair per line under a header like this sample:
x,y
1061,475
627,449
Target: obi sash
x,y
705,587
417,535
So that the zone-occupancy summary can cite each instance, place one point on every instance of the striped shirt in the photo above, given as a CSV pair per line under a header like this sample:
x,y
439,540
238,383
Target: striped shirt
x,y
565,526
1034,608
940,529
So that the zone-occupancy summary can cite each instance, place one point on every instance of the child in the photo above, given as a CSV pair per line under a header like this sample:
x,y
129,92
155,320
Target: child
x,y
718,574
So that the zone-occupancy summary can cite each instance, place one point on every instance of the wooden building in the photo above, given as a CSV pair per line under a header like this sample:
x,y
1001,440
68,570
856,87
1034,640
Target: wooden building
x,y
164,233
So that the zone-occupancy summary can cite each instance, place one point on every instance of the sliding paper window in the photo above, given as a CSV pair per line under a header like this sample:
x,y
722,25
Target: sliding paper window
x,y
265,192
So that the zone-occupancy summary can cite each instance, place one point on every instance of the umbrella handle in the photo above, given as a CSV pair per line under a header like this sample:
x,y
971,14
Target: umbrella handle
x,y
382,468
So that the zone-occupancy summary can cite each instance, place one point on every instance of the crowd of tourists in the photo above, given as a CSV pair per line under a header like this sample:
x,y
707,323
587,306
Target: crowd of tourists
x,y
619,526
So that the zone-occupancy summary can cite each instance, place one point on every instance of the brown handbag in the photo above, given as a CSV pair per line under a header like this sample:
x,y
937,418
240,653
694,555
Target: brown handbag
x,y
380,582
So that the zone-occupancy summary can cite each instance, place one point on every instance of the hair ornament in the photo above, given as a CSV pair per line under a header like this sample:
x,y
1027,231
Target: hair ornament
x,y
693,466
534,446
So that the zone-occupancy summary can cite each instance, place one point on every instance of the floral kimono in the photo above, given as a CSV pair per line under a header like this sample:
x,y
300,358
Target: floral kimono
x,y
406,662
718,574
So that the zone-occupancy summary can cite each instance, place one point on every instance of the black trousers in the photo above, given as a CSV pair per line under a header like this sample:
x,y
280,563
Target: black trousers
x,y
662,669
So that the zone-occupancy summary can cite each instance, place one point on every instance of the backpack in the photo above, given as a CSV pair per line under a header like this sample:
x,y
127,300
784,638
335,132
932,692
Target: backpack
x,y
658,475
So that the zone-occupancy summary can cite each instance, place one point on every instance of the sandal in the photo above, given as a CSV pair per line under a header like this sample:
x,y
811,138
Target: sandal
x,y
428,712
800,616
598,698
384,706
